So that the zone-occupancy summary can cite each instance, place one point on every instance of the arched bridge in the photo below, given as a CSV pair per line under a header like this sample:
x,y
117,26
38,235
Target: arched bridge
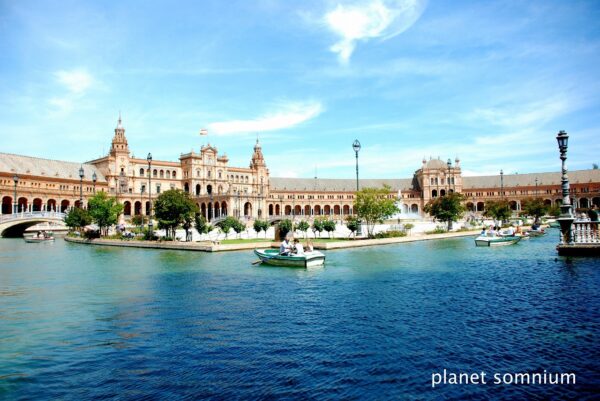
x,y
13,225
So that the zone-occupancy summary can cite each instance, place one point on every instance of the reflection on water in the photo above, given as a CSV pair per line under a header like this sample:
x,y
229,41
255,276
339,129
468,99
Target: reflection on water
x,y
373,323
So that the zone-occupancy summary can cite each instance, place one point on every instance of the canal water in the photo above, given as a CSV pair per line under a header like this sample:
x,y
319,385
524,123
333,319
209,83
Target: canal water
x,y
87,322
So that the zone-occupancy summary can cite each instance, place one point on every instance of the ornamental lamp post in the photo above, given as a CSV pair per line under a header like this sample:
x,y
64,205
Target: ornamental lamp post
x,y
94,179
502,184
356,146
16,204
81,187
536,186
150,225
566,216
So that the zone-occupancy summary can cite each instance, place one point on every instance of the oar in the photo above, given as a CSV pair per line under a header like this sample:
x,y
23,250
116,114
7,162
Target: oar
x,y
257,262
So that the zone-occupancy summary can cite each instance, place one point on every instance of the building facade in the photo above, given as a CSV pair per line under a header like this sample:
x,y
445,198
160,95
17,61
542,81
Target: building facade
x,y
34,184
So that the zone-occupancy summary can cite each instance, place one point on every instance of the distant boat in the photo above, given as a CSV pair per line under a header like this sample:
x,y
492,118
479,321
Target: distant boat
x,y
483,240
273,258
33,239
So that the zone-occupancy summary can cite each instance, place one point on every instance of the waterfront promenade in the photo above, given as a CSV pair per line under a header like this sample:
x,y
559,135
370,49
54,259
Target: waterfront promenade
x,y
209,246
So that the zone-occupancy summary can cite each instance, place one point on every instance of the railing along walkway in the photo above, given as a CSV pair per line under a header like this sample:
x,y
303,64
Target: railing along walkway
x,y
585,232
31,216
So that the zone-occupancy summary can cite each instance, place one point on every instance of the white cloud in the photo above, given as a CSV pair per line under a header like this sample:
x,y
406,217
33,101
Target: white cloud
x,y
364,20
286,116
76,81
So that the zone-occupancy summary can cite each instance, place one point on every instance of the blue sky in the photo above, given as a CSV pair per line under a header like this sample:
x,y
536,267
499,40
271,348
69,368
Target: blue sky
x,y
490,82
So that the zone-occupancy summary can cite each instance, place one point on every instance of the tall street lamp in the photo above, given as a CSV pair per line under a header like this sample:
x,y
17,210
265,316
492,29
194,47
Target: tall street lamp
x,y
16,204
356,146
150,225
536,186
81,187
566,215
502,184
94,179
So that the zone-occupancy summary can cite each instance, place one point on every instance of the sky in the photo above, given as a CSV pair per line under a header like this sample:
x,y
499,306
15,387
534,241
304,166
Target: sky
x,y
489,82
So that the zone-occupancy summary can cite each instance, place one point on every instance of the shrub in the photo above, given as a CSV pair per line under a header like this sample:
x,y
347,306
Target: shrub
x,y
437,230
390,234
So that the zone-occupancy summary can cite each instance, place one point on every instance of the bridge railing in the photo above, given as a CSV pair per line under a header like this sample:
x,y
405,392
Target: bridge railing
x,y
585,232
31,215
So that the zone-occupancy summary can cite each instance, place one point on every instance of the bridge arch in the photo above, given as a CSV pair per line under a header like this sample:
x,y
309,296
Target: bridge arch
x,y
16,224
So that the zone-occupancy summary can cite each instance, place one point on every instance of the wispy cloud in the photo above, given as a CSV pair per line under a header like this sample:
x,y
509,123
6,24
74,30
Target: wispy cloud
x,y
75,81
366,20
285,116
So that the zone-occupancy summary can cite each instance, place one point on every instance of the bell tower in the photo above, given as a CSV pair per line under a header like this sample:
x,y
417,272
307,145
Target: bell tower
x,y
119,144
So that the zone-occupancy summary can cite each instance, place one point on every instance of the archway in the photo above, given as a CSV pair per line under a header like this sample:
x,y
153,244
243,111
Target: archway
x,y
317,209
346,210
127,208
210,211
548,202
513,205
22,204
327,209
64,205
197,189
434,193
596,201
442,192
223,208
209,189
307,210
297,210
186,187
414,208
270,209
147,208
480,206
336,210
288,210
137,208
51,205
37,205
203,210
470,207
584,203
7,205
277,210
247,209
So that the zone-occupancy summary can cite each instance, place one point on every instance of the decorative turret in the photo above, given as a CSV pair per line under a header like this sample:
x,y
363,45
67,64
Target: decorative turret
x,y
119,142
257,157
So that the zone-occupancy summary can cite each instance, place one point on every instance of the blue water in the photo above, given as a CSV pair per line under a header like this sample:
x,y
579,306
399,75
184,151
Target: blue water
x,y
86,322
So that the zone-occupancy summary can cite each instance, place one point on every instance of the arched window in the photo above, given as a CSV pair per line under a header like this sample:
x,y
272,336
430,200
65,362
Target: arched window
x,y
168,174
208,174
197,189
154,173
220,174
141,172
434,193
174,174
162,173
198,173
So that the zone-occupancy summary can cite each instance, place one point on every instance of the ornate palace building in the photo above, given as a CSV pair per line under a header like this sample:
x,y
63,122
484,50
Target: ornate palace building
x,y
34,184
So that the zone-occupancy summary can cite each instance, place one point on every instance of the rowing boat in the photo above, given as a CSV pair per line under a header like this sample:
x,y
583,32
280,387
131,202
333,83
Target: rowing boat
x,y
307,259
496,241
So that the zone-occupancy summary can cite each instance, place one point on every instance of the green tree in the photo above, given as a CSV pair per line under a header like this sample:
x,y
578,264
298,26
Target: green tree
x,y
172,208
534,207
285,226
201,224
318,226
446,208
329,226
229,223
499,210
408,227
352,225
303,227
77,218
104,210
372,206
139,220
554,211
261,225
238,227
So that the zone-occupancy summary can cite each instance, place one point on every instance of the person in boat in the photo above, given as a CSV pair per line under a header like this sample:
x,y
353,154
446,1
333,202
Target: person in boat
x,y
510,231
39,234
298,248
285,248
483,232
